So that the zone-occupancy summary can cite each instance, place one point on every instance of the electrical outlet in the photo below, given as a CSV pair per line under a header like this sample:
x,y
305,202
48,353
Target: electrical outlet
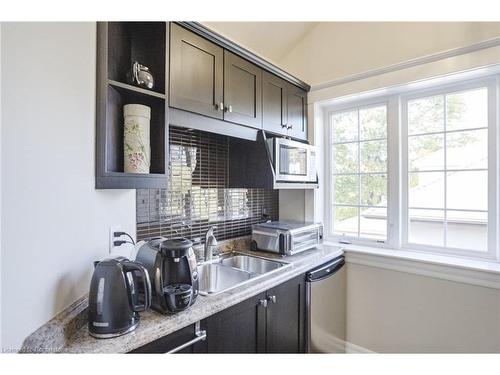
x,y
112,238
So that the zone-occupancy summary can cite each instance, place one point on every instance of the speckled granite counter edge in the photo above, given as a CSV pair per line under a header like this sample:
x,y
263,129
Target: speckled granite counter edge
x,y
68,333
53,335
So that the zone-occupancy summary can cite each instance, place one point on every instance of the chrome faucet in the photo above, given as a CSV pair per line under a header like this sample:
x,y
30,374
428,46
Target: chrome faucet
x,y
210,243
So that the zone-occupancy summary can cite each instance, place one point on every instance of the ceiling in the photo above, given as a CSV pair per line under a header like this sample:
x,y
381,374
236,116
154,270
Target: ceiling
x,y
270,40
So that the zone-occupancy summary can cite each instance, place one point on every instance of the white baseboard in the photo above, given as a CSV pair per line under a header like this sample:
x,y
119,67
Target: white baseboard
x,y
325,342
351,348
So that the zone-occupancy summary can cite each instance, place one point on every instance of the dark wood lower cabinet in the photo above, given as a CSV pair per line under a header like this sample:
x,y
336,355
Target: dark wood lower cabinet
x,y
286,311
238,329
271,322
252,327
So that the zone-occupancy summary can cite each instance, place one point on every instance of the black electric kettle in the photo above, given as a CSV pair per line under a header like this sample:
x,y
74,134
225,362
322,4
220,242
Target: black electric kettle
x,y
119,290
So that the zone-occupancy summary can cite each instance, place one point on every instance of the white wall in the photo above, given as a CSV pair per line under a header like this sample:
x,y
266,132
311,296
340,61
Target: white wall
x,y
396,312
255,36
291,205
332,50
54,222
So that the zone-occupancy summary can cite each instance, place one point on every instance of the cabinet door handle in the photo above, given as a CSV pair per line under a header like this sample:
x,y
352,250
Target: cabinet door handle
x,y
263,302
283,126
229,108
220,106
289,127
272,299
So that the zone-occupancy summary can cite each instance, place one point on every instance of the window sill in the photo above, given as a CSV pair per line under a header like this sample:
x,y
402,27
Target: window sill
x,y
475,272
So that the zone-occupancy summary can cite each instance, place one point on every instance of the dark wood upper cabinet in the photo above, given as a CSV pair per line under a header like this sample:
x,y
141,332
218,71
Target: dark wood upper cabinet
x,y
274,103
297,112
284,107
209,78
242,91
196,73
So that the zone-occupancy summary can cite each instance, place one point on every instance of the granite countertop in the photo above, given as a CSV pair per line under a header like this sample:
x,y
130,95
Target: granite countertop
x,y
68,333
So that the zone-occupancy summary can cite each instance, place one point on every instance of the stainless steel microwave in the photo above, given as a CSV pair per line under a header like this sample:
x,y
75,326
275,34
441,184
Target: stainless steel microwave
x,y
293,161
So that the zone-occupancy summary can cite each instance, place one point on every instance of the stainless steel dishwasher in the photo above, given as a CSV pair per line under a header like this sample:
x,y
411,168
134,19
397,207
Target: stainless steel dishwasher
x,y
325,296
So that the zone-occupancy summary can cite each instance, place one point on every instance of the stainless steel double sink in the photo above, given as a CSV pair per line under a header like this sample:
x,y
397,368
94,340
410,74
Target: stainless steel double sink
x,y
233,270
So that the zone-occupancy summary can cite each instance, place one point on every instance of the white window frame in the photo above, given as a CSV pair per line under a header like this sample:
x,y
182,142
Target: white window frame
x,y
397,195
491,85
392,175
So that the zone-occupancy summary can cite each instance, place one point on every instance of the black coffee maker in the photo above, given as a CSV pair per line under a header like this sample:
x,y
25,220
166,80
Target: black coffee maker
x,y
119,290
171,265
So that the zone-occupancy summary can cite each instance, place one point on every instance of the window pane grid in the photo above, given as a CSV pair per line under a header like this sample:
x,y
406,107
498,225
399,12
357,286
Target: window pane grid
x,y
368,140
442,132
445,150
368,206
441,209
460,196
362,173
353,225
359,178
438,170
355,189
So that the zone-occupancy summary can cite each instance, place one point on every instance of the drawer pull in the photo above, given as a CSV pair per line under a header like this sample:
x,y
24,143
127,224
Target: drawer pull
x,y
201,335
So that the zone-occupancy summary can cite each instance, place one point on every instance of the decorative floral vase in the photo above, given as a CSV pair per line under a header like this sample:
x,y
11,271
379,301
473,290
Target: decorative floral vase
x,y
136,146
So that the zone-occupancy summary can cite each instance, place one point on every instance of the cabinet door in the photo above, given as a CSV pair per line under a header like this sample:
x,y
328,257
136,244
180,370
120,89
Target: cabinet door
x,y
174,340
196,73
274,103
297,112
238,329
286,317
242,91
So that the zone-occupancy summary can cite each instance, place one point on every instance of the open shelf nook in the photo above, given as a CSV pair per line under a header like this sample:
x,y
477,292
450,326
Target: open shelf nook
x,y
120,44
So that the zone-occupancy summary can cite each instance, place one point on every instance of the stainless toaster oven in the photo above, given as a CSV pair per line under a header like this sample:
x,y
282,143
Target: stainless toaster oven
x,y
286,238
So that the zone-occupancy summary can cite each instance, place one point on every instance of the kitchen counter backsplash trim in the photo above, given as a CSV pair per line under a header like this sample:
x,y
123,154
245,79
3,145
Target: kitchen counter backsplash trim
x,y
67,332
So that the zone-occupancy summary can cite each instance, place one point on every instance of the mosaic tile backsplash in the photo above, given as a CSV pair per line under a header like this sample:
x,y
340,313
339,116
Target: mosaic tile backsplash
x,y
198,195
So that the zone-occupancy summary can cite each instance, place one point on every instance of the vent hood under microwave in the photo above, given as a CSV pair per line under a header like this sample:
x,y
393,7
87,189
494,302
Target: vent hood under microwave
x,y
272,163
